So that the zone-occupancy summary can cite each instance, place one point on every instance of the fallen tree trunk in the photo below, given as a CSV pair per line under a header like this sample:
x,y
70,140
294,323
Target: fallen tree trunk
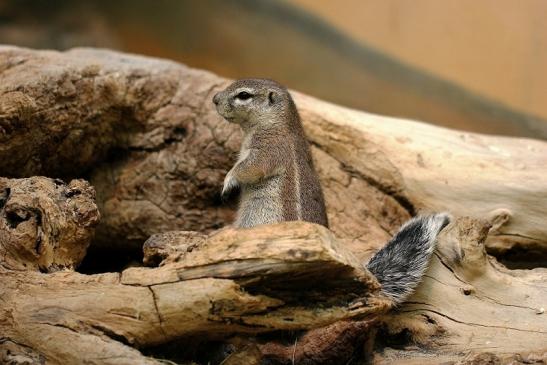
x,y
289,276
252,281
145,133
470,304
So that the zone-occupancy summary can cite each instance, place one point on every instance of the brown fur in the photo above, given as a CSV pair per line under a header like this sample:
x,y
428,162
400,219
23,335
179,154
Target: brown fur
x,y
275,170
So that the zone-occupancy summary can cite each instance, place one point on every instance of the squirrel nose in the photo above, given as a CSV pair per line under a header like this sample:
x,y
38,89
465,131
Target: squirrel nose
x,y
216,99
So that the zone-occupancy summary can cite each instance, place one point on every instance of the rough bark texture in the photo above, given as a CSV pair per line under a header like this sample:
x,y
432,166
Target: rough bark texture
x,y
161,248
45,224
470,302
144,133
253,281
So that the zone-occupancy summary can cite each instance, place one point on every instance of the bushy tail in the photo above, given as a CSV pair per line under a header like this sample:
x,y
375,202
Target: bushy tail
x,y
400,265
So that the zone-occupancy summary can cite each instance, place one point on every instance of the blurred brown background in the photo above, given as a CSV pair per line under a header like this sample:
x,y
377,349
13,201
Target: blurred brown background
x,y
467,64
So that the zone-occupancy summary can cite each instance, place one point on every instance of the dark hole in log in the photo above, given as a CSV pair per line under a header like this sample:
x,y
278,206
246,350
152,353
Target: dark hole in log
x,y
100,260
177,135
38,215
521,258
154,260
301,287
191,350
181,131
38,244
14,218
72,192
113,335
399,340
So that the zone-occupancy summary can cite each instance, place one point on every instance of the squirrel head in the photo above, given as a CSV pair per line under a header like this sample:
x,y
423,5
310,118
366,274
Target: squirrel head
x,y
255,102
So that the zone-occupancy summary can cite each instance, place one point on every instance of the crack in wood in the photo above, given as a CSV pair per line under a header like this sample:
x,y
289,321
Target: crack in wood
x,y
469,323
158,312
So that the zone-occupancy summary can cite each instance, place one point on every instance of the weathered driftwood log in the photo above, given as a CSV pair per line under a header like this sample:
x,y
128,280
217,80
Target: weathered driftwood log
x,y
468,304
146,133
468,310
45,224
282,277
288,277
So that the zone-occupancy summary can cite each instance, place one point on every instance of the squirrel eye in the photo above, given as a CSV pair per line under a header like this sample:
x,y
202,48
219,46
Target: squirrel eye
x,y
243,95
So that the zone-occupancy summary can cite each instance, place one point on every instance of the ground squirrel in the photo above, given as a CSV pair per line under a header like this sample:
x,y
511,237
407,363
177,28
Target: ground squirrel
x,y
275,169
278,182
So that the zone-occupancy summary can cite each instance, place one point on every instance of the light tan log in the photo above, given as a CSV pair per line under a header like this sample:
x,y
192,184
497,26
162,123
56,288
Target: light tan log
x,y
45,224
469,304
282,277
146,132
428,168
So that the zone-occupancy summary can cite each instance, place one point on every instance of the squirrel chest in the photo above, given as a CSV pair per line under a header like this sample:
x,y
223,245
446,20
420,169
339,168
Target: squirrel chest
x,y
290,189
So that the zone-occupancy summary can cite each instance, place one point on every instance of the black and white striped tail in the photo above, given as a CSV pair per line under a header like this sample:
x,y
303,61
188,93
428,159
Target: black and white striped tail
x,y
400,265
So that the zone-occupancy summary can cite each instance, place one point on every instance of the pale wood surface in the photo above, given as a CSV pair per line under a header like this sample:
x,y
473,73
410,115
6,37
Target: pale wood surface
x,y
146,134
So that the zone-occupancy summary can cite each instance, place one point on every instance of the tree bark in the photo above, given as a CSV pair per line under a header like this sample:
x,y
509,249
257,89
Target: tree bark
x,y
145,134
45,224
250,281
469,303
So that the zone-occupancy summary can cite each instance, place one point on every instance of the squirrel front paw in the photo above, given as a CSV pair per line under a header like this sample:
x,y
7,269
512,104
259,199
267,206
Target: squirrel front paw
x,y
230,184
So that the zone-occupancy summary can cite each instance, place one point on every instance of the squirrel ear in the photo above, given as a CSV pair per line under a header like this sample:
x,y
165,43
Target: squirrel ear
x,y
272,97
